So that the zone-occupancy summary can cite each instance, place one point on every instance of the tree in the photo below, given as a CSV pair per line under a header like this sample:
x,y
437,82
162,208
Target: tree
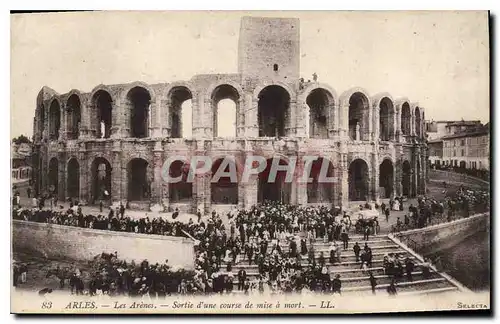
x,y
21,139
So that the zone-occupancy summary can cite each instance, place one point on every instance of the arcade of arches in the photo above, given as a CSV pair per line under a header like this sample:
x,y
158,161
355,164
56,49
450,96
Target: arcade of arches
x,y
73,116
274,111
181,191
273,189
405,119
358,180
101,179
102,110
386,178
225,104
359,119
386,120
53,177
138,184
178,97
73,179
320,191
225,190
54,120
138,103
320,103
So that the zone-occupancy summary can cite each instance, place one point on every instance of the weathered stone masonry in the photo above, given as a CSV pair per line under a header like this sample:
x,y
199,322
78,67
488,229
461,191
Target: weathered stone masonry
x,y
122,134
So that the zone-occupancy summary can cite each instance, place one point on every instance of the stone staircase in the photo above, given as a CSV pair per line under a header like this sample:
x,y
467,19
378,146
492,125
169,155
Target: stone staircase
x,y
356,281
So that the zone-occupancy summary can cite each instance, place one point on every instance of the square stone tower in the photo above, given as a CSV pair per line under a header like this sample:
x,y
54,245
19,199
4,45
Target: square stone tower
x,y
269,48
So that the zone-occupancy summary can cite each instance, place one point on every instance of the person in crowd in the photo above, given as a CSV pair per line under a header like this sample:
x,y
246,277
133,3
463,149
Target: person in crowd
x,y
337,285
373,282
391,289
356,250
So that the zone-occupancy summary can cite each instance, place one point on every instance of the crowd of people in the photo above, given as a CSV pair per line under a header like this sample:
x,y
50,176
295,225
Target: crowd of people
x,y
276,239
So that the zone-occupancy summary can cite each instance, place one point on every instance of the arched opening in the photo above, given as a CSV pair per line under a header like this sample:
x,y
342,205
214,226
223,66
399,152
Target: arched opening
x,y
138,103
359,120
386,120
319,190
274,110
462,164
225,190
418,123
386,178
406,178
275,67
54,120
358,179
101,179
73,179
102,106
225,104
181,191
138,183
53,182
73,117
405,119
180,112
319,101
277,190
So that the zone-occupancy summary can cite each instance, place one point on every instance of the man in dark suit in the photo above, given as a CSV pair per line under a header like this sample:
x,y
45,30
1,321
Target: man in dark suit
x,y
242,276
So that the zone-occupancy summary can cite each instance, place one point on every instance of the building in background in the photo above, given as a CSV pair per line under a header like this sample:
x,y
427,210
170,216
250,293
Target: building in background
x,y
437,129
465,147
20,162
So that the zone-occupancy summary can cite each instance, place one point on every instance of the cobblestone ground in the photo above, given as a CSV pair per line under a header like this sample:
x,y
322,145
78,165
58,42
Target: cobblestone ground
x,y
38,266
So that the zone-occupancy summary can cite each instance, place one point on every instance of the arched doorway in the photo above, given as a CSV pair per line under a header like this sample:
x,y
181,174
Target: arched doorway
x,y
386,178
73,180
359,109
225,104
138,103
319,101
273,111
405,119
102,109
181,191
358,180
73,116
101,179
53,183
180,112
418,125
386,120
277,190
54,120
138,183
319,190
406,178
225,189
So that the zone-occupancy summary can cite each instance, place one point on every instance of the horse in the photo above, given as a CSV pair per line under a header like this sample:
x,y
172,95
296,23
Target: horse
x,y
61,274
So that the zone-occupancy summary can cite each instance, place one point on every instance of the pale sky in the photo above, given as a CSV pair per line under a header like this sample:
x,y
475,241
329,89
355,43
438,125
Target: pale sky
x,y
438,59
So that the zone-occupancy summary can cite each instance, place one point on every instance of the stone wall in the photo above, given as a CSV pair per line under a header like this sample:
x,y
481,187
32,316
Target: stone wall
x,y
442,236
57,241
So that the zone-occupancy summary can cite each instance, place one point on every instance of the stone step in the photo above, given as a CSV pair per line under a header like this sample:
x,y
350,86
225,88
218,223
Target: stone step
x,y
346,262
388,248
404,286
344,259
429,291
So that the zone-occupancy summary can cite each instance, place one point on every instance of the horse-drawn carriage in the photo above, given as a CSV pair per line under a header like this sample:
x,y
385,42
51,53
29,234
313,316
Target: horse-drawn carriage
x,y
364,218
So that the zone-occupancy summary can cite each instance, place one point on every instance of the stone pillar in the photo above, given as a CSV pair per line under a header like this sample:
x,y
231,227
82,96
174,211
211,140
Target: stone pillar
x,y
63,130
301,119
118,175
291,127
375,132
240,117
301,187
198,117
251,187
120,119
154,119
165,118
344,181
333,122
199,184
157,173
251,117
85,175
376,175
61,173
